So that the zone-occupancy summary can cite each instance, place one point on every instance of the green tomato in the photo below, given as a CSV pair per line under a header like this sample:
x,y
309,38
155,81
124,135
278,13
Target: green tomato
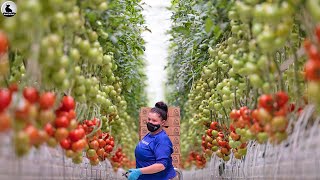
x,y
255,80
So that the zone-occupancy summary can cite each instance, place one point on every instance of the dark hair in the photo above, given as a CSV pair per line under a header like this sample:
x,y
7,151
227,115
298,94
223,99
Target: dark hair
x,y
162,109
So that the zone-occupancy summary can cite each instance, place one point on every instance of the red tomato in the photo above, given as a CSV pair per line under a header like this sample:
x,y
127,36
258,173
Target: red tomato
x,y
318,32
49,129
90,123
214,125
61,113
313,53
5,98
281,112
242,110
232,128
108,141
65,144
3,43
209,132
47,100
79,145
111,138
68,103
118,154
77,134
106,136
33,134
246,114
112,143
266,101
254,114
62,121
312,70
31,94
234,114
291,107
220,134
108,148
281,98
100,152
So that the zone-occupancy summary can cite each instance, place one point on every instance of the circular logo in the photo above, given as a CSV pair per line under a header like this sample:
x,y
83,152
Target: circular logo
x,y
8,9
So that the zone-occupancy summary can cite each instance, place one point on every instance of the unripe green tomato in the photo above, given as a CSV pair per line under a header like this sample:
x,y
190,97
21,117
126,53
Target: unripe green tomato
x,y
255,80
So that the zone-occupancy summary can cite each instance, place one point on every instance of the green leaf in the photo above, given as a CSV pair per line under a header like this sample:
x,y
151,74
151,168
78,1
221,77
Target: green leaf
x,y
208,25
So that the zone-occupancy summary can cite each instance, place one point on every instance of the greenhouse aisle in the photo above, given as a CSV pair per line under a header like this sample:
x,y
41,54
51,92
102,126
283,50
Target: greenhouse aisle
x,y
157,44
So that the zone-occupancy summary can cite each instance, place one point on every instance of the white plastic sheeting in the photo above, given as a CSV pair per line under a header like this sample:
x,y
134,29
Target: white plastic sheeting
x,y
48,163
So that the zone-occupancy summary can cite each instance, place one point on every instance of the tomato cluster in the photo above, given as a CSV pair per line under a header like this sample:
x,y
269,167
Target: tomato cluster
x,y
90,125
195,158
216,140
120,159
312,67
100,147
269,120
30,115
33,117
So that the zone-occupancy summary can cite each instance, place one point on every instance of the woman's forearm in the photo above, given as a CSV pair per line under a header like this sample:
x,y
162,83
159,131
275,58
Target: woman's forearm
x,y
154,168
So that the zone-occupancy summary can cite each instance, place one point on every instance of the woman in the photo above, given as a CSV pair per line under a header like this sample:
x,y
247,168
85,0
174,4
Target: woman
x,y
153,152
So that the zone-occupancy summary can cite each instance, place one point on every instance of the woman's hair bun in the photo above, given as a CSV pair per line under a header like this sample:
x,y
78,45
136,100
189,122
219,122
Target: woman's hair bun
x,y
162,105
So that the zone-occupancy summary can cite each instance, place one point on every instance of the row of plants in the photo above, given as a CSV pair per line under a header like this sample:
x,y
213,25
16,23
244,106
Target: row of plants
x,y
246,78
87,54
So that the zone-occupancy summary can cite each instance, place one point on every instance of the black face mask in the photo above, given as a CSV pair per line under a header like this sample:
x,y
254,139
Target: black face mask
x,y
152,127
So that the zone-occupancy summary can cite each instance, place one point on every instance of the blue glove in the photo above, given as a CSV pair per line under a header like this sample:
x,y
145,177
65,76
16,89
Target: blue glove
x,y
134,174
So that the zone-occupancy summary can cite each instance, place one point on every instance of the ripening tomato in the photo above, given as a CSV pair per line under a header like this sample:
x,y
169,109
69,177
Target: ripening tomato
x,y
5,121
31,94
3,43
234,114
33,134
94,144
47,100
79,145
213,125
5,99
61,133
100,152
254,114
